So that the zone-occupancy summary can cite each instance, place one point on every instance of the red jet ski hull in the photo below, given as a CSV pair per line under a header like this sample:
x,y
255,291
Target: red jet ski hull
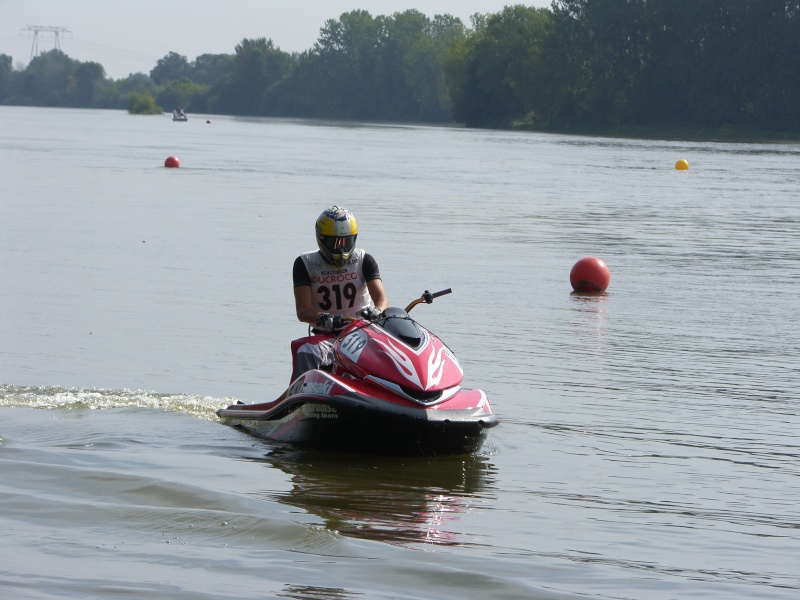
x,y
355,416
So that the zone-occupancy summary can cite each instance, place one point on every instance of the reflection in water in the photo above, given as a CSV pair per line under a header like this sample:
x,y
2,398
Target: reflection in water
x,y
395,500
590,301
590,318
312,592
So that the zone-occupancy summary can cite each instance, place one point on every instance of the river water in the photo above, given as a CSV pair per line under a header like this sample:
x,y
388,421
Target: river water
x,y
650,437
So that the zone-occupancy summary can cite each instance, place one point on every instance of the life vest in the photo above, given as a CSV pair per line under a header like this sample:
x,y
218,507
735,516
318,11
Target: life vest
x,y
338,291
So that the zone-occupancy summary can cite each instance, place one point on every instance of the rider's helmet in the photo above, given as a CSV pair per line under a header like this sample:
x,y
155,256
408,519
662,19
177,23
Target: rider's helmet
x,y
337,231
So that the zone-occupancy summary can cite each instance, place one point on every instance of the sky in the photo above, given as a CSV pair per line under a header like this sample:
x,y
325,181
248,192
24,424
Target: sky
x,y
130,36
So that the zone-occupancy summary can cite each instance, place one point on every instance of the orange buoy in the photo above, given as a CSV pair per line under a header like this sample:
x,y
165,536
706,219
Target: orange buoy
x,y
172,162
682,165
590,274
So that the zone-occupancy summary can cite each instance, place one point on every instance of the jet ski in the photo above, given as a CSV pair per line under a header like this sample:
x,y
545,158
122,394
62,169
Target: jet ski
x,y
394,389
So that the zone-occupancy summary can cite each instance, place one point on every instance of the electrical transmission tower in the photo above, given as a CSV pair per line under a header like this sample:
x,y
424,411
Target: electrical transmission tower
x,y
37,29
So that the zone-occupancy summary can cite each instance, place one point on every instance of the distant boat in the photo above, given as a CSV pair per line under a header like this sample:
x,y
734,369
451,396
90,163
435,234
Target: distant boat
x,y
179,115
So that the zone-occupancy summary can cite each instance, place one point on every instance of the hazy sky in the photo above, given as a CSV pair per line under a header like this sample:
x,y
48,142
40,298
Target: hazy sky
x,y
129,36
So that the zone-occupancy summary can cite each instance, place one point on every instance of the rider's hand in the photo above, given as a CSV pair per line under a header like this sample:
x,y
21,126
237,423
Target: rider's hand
x,y
370,313
329,322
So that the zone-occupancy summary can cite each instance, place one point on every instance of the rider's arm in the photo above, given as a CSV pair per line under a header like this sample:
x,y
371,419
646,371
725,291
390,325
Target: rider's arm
x,y
305,308
377,293
374,283
307,311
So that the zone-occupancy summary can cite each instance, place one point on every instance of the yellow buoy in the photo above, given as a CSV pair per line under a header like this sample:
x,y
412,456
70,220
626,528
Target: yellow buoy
x,y
682,165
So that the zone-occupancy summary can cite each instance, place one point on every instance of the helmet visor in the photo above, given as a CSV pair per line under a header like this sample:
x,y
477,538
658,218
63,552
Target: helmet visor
x,y
342,244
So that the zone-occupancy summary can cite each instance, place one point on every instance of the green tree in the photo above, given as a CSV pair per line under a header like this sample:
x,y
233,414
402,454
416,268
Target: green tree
x,y
777,90
384,68
596,56
258,65
348,60
302,93
424,67
494,73
180,93
45,80
401,33
681,63
172,67
738,61
209,69
116,94
143,104
83,82
6,74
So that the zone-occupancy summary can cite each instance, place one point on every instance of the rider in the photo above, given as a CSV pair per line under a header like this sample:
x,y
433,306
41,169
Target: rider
x,y
338,280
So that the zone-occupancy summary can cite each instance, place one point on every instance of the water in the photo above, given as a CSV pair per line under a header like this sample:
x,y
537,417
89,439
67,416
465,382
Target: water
x,y
650,437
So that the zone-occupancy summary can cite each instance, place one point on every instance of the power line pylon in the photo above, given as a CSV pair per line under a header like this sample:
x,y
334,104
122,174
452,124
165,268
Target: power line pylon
x,y
37,29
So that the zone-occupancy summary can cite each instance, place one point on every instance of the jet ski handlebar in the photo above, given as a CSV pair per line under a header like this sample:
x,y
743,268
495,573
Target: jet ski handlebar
x,y
427,298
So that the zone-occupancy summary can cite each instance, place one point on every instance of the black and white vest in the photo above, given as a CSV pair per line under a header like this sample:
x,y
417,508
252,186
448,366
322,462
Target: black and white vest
x,y
338,291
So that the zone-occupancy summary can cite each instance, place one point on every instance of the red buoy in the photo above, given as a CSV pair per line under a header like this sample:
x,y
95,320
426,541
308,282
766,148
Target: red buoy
x,y
172,162
590,274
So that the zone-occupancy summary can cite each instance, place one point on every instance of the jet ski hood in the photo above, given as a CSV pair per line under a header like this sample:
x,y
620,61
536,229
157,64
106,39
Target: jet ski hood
x,y
396,349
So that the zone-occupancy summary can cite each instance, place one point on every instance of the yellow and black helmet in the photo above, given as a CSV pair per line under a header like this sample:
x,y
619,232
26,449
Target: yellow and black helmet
x,y
336,231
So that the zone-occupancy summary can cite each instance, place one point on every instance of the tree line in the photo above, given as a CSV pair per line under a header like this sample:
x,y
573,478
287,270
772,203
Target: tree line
x,y
579,65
